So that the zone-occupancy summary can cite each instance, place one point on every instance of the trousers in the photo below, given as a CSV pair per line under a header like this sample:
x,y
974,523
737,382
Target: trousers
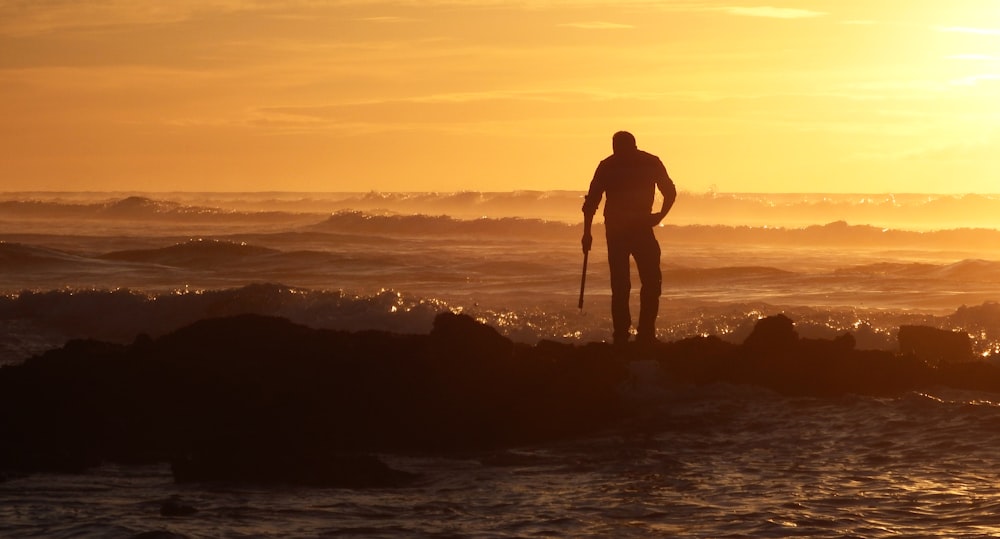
x,y
638,243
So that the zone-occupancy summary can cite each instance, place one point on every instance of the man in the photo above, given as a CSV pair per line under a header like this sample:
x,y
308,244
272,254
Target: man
x,y
629,177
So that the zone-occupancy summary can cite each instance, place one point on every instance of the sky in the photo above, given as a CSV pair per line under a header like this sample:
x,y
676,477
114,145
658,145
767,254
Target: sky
x,y
858,96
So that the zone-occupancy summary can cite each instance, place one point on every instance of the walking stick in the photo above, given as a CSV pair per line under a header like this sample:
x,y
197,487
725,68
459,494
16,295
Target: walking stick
x,y
583,279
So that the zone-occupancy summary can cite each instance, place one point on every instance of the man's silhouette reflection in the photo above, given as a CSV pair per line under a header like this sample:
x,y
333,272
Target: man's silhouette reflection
x,y
628,177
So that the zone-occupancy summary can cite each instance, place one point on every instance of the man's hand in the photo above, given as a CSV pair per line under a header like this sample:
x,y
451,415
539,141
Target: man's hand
x,y
587,241
655,218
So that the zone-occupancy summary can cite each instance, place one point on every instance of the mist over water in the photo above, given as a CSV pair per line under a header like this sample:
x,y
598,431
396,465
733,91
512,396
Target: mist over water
x,y
701,462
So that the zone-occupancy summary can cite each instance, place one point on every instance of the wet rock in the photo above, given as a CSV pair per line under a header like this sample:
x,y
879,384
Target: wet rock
x,y
175,507
261,399
773,333
935,345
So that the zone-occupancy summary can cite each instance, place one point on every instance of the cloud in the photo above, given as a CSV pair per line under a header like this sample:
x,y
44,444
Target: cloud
x,y
597,25
386,19
968,30
772,12
985,57
30,17
974,80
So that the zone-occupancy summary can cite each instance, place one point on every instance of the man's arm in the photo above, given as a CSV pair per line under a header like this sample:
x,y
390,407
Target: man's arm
x,y
588,239
590,204
669,192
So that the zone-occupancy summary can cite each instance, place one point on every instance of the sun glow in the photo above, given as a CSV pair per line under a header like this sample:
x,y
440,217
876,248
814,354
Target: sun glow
x,y
859,96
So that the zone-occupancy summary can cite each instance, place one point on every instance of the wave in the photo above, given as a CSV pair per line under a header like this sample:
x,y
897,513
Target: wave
x,y
548,205
833,234
977,270
131,208
790,210
19,256
904,211
837,233
677,275
194,253
356,222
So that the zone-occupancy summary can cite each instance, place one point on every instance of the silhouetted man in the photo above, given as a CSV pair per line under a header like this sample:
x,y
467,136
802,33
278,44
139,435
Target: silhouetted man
x,y
629,177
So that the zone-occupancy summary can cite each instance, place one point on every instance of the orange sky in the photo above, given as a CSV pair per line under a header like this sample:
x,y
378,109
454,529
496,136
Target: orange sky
x,y
357,95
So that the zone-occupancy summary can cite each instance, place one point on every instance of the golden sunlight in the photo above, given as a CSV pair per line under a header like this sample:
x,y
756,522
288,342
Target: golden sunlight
x,y
858,97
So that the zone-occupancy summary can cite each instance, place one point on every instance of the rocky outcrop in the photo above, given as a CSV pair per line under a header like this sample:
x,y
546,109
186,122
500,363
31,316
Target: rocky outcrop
x,y
262,399
935,345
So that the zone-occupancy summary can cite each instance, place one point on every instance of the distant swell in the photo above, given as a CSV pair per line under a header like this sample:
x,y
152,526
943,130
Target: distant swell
x,y
963,270
782,210
196,252
129,208
18,256
361,222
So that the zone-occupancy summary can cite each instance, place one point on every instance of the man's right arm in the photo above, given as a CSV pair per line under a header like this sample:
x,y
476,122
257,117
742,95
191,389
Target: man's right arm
x,y
590,204
588,239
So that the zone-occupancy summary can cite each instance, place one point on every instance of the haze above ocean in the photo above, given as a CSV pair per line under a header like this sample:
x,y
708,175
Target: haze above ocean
x,y
113,265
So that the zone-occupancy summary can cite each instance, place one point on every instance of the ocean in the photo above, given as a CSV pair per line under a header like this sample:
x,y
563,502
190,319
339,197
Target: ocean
x,y
711,461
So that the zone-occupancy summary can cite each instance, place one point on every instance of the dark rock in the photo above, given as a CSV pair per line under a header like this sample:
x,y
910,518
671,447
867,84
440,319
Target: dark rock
x,y
261,399
772,333
175,507
459,333
935,345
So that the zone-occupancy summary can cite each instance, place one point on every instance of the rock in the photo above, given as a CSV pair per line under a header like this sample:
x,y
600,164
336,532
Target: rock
x,y
461,334
935,345
174,507
261,399
772,333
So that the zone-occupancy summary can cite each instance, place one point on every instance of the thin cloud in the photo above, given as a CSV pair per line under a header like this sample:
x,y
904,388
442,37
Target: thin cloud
x,y
30,17
969,30
553,96
985,57
772,12
597,25
386,19
974,80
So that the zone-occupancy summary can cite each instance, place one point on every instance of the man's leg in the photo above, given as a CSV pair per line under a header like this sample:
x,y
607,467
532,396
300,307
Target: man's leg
x,y
647,261
621,286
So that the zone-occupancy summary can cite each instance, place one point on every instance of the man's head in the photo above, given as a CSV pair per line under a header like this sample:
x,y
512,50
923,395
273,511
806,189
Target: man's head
x,y
623,142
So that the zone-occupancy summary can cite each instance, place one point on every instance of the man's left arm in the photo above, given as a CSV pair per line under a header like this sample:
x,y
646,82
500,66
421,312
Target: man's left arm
x,y
667,189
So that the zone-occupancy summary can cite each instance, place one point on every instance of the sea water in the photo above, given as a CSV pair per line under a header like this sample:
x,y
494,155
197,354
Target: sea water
x,y
704,462
722,461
